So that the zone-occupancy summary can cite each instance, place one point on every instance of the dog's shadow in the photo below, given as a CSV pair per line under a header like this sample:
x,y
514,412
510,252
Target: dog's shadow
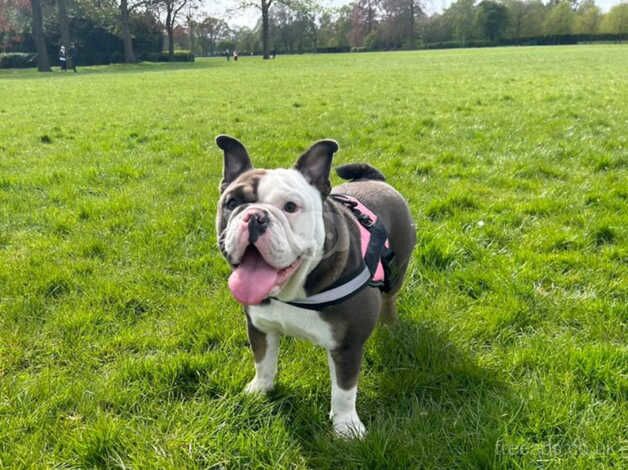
x,y
424,402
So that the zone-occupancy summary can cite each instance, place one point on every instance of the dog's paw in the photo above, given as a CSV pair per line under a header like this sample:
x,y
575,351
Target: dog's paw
x,y
258,386
349,427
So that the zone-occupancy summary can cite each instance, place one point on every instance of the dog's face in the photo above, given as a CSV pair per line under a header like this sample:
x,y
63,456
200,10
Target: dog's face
x,y
270,222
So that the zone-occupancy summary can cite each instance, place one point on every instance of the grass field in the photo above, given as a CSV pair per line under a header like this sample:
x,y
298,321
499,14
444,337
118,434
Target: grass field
x,y
120,345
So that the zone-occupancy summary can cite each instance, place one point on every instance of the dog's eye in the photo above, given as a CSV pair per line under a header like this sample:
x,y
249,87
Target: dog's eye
x,y
290,207
232,203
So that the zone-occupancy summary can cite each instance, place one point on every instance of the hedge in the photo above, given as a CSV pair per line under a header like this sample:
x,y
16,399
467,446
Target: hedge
x,y
458,44
18,60
179,56
530,41
335,49
564,39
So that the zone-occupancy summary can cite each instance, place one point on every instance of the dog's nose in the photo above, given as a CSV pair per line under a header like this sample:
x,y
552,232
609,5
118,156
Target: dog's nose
x,y
258,223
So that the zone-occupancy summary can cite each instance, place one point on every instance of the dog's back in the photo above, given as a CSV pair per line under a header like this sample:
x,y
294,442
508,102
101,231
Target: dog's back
x,y
368,185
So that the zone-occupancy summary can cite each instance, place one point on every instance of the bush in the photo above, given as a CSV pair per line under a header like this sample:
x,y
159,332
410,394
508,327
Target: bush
x,y
334,49
147,34
529,41
458,44
564,39
179,56
17,60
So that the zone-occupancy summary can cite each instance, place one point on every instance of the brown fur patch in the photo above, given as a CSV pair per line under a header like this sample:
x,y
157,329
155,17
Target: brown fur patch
x,y
243,189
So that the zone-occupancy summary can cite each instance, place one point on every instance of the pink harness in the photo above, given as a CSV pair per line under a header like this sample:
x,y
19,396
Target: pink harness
x,y
365,235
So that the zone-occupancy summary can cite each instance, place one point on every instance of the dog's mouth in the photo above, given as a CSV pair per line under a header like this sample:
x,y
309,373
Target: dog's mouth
x,y
254,280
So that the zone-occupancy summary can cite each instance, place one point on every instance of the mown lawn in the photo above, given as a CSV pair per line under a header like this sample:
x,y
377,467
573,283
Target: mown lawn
x,y
120,345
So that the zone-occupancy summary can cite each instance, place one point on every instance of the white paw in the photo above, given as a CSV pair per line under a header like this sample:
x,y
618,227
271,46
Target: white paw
x,y
258,386
349,427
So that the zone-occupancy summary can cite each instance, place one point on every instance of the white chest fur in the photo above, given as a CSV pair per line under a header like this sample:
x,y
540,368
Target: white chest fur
x,y
278,317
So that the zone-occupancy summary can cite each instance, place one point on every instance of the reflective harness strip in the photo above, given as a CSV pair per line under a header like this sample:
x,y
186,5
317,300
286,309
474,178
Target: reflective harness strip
x,y
335,294
376,254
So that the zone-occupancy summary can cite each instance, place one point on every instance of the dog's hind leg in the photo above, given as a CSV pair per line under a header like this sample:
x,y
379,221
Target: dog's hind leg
x,y
388,312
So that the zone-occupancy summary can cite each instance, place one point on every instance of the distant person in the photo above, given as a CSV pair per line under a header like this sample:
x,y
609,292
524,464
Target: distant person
x,y
235,55
63,59
273,54
227,54
74,56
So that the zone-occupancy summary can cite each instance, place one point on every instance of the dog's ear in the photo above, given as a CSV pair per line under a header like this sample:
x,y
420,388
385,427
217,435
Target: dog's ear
x,y
315,164
236,161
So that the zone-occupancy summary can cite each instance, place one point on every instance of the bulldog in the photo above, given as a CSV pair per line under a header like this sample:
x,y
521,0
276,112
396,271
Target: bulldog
x,y
301,265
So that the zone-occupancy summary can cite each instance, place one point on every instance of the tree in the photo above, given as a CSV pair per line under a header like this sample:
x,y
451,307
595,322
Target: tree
x,y
437,28
264,7
415,10
326,29
173,8
398,25
334,25
516,15
343,25
248,40
587,18
491,19
189,19
616,20
560,19
124,12
64,28
535,13
15,20
525,18
461,15
210,30
5,24
43,63
364,15
294,29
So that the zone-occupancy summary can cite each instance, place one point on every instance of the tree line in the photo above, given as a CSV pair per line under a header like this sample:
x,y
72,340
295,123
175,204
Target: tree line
x,y
130,30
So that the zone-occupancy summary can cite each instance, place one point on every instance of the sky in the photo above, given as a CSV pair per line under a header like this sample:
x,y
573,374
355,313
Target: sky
x,y
224,8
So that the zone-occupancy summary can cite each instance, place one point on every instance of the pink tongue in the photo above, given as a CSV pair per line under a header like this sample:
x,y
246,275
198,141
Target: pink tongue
x,y
253,279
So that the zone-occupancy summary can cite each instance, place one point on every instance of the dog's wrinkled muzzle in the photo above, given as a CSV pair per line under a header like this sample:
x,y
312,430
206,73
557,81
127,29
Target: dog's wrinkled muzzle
x,y
254,278
257,224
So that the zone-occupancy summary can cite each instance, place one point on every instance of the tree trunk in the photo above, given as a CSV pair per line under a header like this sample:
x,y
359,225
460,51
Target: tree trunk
x,y
266,28
129,55
191,33
170,31
170,42
43,63
64,28
370,16
412,26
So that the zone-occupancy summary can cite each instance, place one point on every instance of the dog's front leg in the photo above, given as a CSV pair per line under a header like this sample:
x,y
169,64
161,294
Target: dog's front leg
x,y
265,348
344,368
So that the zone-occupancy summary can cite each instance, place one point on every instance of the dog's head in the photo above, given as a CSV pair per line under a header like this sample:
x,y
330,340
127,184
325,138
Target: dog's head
x,y
270,222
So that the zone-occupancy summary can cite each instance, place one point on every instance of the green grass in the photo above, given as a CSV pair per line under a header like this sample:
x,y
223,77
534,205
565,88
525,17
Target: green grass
x,y
120,345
